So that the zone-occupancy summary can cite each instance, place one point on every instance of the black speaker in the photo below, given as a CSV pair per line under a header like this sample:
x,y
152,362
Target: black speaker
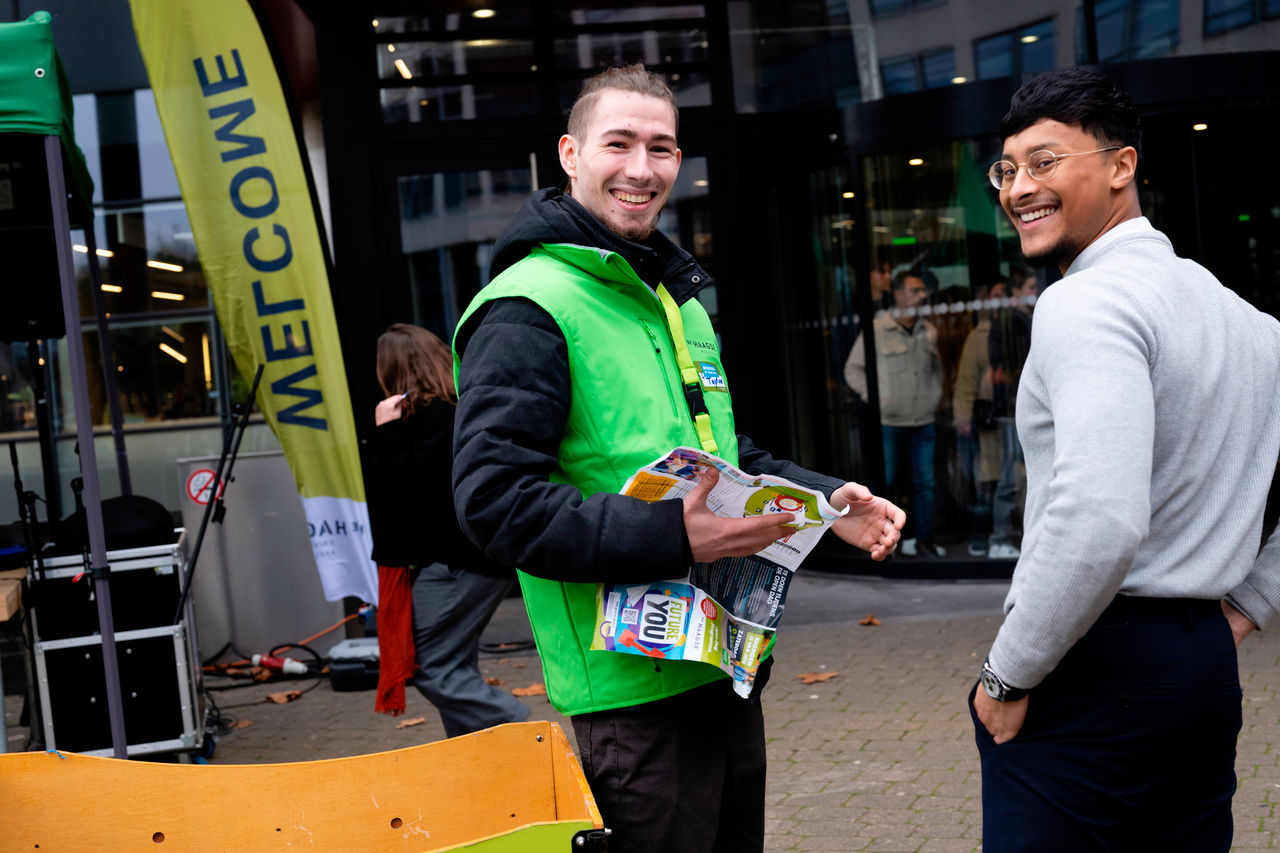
x,y
29,286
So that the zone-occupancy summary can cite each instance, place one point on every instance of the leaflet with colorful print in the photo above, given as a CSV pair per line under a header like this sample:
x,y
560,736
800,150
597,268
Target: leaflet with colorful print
x,y
723,613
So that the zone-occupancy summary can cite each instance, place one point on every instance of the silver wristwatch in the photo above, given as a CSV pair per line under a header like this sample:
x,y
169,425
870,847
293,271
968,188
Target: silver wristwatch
x,y
995,686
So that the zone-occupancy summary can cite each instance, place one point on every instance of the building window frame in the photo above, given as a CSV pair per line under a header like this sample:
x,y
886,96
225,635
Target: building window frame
x,y
1016,37
1258,11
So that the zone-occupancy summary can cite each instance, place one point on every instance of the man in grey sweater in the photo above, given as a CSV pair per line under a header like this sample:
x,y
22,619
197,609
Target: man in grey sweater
x,y
1150,419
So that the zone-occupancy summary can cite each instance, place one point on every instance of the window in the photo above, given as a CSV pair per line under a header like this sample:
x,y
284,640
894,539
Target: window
x,y
1223,15
881,9
918,71
456,63
1025,52
796,55
1131,29
670,39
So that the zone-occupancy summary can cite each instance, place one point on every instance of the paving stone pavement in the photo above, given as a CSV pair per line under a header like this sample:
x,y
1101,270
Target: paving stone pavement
x,y
880,758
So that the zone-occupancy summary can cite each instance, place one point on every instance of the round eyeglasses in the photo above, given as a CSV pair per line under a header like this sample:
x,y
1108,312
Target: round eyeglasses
x,y
1041,165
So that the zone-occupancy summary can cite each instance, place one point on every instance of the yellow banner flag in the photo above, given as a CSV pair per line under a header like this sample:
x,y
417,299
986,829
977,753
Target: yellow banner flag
x,y
240,167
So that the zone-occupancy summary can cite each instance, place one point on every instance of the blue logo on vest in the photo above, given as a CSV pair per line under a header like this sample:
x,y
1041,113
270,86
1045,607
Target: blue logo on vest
x,y
712,379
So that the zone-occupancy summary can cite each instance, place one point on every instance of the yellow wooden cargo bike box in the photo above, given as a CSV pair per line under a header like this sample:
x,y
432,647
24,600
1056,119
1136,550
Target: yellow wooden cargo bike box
x,y
512,789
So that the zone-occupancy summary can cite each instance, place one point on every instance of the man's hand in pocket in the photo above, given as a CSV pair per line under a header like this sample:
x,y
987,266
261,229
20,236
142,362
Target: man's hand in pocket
x,y
1002,720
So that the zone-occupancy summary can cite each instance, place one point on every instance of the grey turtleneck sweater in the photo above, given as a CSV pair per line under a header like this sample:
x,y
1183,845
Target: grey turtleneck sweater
x,y
1149,414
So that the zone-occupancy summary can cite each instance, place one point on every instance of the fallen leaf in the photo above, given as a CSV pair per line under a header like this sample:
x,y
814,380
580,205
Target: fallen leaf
x,y
816,677
517,666
504,660
870,620
231,670
532,690
242,724
493,681
284,697
259,673
416,721
324,671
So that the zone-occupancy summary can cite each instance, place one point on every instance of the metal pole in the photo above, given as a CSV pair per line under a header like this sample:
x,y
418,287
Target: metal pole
x,y
84,431
110,389
1090,32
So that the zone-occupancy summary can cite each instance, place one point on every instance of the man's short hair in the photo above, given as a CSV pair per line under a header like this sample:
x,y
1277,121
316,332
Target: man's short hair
x,y
627,78
1080,97
923,273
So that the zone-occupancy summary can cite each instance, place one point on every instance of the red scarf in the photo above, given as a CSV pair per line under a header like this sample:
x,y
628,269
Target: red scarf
x,y
395,639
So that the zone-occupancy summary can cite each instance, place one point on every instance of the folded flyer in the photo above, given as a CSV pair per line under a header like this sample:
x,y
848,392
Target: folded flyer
x,y
723,613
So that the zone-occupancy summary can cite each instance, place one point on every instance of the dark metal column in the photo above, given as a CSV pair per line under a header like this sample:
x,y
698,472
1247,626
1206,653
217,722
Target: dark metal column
x,y
108,361
84,431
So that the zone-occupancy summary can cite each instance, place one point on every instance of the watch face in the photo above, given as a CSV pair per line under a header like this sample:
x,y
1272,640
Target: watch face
x,y
991,684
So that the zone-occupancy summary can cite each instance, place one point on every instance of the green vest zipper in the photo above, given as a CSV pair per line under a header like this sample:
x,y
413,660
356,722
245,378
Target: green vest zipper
x,y
666,380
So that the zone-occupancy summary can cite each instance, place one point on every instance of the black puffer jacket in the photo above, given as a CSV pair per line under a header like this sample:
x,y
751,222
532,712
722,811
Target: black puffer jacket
x,y
514,395
407,467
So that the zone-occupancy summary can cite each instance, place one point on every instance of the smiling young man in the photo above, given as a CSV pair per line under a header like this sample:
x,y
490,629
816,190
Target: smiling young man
x,y
569,379
1150,420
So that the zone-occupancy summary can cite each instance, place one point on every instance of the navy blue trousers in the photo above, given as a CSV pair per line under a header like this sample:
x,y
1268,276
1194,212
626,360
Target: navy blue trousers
x,y
1129,744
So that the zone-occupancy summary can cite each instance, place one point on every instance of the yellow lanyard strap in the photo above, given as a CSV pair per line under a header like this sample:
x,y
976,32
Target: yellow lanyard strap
x,y
688,374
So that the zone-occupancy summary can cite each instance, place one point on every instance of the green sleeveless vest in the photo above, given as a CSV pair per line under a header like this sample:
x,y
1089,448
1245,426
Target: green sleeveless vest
x,y
628,409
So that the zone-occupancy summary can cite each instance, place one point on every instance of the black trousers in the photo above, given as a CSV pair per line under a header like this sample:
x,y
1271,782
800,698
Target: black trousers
x,y
1129,744
680,775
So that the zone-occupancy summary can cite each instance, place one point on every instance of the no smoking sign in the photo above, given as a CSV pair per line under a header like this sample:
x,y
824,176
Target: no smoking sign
x,y
200,485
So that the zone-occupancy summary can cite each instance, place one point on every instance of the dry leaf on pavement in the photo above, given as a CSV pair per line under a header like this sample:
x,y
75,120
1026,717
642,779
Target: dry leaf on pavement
x,y
816,677
532,690
493,681
284,697
504,660
416,721
517,666
870,620
259,673
242,724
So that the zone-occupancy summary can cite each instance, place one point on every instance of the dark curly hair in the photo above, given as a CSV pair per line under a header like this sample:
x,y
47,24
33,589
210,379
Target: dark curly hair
x,y
1080,97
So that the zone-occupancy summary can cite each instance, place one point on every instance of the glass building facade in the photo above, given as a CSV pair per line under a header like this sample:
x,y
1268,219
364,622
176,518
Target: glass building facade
x,y
870,297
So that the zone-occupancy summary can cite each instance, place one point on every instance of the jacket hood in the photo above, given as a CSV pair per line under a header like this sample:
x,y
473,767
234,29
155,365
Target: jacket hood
x,y
553,216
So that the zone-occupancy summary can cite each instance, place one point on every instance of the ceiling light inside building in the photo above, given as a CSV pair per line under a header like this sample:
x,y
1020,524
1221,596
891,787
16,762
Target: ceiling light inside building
x,y
1029,39
160,294
391,48
1200,127
173,353
848,195
171,333
375,22
161,265
958,79
483,13
113,288
700,183
915,161
404,69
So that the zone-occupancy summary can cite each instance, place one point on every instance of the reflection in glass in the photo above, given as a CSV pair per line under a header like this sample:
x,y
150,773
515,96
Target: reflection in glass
x,y
953,317
821,320
1026,51
652,47
1223,15
448,16
159,180
579,12
86,130
164,371
151,251
453,58
692,89
796,55
1131,29
19,407
448,225
914,72
458,103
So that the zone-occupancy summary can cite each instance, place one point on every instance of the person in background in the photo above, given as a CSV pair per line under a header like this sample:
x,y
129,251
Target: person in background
x,y
1010,341
909,373
408,465
977,437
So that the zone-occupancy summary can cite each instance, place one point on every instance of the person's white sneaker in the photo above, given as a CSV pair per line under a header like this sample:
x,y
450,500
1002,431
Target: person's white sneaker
x,y
1003,552
908,547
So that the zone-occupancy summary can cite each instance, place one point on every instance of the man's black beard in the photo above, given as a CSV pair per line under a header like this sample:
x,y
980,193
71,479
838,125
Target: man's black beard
x,y
1055,256
636,235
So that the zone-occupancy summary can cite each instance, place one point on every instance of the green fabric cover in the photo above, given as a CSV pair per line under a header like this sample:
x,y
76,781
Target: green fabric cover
x,y
628,409
39,104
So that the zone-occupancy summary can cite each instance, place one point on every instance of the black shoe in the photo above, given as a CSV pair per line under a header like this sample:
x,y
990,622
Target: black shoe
x,y
929,549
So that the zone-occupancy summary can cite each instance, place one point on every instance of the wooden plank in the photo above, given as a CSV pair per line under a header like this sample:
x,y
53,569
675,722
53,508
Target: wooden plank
x,y
574,800
10,599
13,574
426,798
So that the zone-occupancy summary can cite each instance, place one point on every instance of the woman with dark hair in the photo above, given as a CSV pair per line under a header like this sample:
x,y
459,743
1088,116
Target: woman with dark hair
x,y
408,465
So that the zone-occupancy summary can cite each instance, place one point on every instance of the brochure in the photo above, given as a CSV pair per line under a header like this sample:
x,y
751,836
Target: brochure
x,y
723,613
